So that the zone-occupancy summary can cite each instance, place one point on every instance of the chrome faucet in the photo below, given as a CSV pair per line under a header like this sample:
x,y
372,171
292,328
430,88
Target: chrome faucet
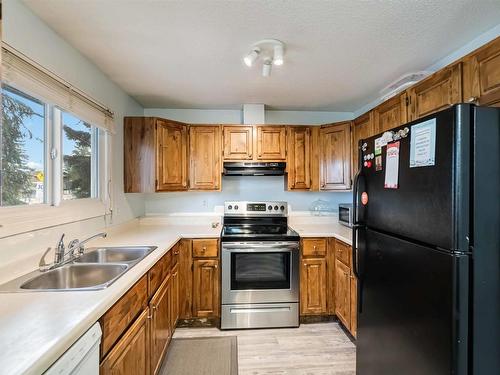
x,y
77,244
60,253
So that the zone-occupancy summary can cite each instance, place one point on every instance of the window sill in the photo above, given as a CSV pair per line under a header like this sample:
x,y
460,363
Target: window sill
x,y
17,220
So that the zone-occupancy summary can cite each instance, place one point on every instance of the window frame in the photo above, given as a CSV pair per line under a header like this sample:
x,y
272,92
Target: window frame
x,y
55,210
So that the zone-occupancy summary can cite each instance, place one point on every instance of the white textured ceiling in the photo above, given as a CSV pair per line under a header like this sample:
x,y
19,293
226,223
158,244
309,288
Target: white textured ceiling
x,y
188,54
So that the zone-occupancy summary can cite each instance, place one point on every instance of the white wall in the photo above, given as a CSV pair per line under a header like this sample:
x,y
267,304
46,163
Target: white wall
x,y
235,116
31,36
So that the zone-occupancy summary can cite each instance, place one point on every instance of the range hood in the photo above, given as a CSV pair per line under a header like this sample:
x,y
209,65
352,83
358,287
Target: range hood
x,y
254,169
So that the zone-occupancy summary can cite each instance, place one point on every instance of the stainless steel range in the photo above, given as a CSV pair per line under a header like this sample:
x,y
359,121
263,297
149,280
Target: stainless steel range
x,y
260,266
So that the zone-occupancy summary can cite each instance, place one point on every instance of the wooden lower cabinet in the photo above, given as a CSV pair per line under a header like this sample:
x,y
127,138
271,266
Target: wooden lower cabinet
x,y
130,356
206,288
313,286
161,328
174,311
343,293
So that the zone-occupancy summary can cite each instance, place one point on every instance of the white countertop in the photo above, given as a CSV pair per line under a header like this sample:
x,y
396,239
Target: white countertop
x,y
333,229
36,328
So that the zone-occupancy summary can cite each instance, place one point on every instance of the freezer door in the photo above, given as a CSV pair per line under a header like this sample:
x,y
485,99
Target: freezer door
x,y
430,204
411,298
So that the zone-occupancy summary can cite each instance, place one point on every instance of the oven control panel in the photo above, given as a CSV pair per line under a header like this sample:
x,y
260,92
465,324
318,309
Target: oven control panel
x,y
264,208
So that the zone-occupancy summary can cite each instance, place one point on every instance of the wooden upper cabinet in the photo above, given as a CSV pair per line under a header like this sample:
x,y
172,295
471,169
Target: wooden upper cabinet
x,y
335,156
206,288
172,156
437,92
155,155
313,286
205,157
271,142
482,75
139,154
362,128
390,114
131,354
238,142
299,158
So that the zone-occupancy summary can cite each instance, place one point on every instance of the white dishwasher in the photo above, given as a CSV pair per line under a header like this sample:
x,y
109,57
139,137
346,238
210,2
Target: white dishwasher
x,y
82,358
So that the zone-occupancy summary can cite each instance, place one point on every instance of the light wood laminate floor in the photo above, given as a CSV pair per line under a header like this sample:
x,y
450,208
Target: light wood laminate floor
x,y
311,349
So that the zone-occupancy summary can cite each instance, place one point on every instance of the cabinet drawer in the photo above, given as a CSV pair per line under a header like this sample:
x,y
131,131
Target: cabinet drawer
x,y
119,317
343,252
314,247
205,248
158,272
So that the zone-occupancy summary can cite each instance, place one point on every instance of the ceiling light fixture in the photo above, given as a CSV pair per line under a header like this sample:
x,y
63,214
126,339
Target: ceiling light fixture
x,y
252,56
270,51
266,67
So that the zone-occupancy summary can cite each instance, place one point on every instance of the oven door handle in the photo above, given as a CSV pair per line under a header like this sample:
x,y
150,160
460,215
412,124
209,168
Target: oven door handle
x,y
249,247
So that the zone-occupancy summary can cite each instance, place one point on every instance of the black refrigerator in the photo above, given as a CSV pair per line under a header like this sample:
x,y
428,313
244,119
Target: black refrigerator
x,y
426,246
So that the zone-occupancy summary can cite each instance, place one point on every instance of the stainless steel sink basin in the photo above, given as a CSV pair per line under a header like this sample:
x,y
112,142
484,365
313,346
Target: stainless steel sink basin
x,y
77,276
124,254
96,269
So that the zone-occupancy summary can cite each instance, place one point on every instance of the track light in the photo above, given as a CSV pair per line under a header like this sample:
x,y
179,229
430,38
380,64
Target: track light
x,y
269,52
252,56
278,54
266,67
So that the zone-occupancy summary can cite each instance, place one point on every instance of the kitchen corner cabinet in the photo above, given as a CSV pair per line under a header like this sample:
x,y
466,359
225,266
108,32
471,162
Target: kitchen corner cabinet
x,y
335,156
205,157
482,75
271,143
155,155
299,158
439,91
237,142
390,114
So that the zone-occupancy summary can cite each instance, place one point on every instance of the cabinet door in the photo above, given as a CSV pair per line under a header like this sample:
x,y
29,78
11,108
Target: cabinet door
x,y
299,158
362,128
437,92
313,286
335,160
171,161
390,114
205,288
185,279
271,142
174,312
238,142
343,293
130,356
205,158
161,330
482,76
354,305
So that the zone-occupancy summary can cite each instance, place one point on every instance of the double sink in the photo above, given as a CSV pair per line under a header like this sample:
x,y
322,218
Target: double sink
x,y
96,269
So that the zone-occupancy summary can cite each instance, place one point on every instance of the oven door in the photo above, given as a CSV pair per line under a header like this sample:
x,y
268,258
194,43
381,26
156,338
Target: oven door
x,y
260,272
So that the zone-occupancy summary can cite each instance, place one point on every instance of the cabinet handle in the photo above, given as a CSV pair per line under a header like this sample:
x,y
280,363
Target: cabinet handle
x,y
305,264
216,266
203,249
153,307
473,99
314,247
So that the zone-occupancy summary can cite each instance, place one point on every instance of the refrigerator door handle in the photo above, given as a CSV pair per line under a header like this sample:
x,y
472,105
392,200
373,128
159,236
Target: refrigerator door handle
x,y
355,225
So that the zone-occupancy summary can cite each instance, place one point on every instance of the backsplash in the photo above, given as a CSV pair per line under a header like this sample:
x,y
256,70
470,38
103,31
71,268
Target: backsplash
x,y
239,188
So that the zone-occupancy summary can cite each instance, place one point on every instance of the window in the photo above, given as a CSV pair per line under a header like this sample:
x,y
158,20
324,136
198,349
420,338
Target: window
x,y
79,146
32,172
23,146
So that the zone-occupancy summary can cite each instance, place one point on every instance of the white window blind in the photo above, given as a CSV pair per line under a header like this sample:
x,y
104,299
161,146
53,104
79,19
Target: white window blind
x,y
25,75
